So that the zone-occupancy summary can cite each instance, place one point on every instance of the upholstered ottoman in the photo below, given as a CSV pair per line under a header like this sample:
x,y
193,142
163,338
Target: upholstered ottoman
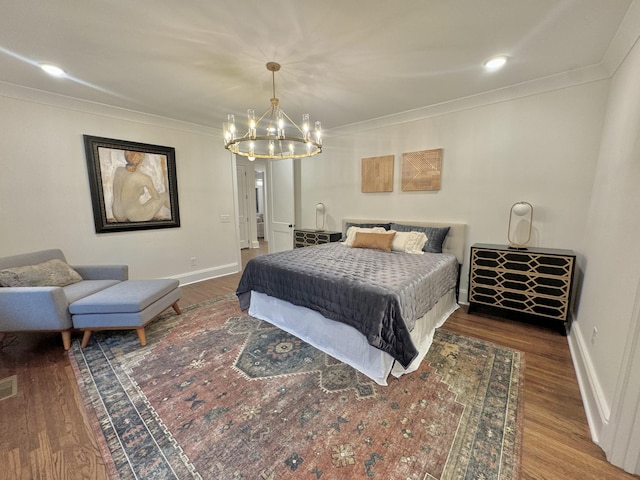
x,y
127,305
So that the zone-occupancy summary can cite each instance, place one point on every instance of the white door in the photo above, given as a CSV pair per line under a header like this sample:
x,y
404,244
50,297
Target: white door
x,y
281,205
243,205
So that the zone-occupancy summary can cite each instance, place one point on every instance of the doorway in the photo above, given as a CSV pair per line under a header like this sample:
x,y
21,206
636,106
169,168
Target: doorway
x,y
252,203
260,204
243,206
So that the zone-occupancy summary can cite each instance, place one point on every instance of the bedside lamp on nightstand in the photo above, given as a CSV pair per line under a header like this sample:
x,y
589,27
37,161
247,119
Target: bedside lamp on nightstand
x,y
320,214
520,209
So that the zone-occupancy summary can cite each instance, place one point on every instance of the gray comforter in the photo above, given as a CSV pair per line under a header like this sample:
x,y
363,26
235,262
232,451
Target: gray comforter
x,y
381,294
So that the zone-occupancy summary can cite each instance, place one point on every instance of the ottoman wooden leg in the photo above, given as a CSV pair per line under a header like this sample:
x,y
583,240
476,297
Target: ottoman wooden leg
x,y
176,308
85,338
66,339
142,336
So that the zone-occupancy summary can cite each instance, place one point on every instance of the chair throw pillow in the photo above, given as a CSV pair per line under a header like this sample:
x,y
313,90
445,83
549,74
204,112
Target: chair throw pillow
x,y
53,273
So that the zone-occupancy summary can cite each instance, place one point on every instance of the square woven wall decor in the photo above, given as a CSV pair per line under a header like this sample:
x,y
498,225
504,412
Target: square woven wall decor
x,y
421,170
377,174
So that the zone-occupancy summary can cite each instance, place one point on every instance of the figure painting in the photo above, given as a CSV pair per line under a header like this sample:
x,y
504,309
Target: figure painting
x,y
133,185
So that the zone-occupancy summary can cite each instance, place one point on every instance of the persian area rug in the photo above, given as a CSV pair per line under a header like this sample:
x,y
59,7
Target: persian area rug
x,y
217,394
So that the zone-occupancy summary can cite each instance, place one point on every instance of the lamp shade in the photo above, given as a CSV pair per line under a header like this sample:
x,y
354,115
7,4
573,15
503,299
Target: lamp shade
x,y
320,213
519,233
521,208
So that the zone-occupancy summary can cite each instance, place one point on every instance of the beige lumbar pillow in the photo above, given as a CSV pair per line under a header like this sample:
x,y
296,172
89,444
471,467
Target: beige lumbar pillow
x,y
351,233
376,241
53,273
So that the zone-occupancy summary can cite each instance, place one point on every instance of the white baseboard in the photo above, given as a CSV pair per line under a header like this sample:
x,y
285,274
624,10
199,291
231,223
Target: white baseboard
x,y
463,296
207,274
593,399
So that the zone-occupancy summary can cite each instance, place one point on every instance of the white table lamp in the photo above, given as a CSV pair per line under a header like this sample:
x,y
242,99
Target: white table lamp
x,y
320,214
519,209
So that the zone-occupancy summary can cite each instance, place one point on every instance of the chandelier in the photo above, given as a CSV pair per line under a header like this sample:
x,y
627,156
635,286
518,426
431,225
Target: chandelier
x,y
274,135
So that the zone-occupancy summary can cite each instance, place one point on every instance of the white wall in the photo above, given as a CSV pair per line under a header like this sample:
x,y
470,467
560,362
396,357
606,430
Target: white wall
x,y
44,189
541,148
610,296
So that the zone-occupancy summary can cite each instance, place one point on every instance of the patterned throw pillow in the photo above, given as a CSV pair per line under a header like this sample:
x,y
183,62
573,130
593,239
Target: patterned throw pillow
x,y
53,273
348,225
409,242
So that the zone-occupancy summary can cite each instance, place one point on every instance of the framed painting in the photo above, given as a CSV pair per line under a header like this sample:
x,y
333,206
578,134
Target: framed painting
x,y
133,185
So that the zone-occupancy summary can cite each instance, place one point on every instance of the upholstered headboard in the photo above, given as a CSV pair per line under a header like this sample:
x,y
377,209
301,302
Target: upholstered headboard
x,y
453,243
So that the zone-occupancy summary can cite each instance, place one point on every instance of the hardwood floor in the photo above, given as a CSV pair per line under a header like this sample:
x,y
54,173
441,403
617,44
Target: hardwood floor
x,y
44,433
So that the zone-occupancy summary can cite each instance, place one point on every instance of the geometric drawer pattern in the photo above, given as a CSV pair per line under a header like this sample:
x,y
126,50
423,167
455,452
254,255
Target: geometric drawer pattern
x,y
533,282
305,238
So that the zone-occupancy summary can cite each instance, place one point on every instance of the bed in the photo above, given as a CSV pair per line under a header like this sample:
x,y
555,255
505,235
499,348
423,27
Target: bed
x,y
374,310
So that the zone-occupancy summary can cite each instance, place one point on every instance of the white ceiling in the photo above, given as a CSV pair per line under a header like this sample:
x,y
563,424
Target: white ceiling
x,y
343,61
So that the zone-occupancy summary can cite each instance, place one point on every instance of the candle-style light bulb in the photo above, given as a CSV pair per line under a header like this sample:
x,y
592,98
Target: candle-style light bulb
x,y
226,133
251,119
231,119
305,127
280,123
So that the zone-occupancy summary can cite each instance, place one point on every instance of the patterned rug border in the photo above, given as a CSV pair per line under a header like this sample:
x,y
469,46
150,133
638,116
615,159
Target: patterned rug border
x,y
517,371
87,398
90,412
92,419
518,412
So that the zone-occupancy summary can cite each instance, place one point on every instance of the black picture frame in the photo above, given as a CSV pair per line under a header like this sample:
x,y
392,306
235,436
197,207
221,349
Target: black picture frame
x,y
133,185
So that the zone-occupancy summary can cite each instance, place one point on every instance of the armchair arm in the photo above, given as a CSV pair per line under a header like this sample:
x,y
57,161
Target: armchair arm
x,y
33,308
102,272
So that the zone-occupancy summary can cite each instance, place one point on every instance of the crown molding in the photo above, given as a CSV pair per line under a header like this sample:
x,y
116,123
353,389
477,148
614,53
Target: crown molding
x,y
624,40
559,81
41,97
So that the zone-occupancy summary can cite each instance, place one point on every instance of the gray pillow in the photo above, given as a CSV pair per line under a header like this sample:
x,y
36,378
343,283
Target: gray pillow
x,y
435,235
53,273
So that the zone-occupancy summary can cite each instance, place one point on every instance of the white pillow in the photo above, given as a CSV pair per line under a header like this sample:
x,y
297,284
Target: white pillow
x,y
409,242
351,233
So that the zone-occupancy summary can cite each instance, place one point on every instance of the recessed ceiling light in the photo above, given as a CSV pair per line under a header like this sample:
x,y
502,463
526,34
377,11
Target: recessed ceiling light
x,y
495,63
53,70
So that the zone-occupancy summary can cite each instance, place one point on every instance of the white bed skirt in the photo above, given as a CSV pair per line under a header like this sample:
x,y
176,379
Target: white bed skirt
x,y
344,342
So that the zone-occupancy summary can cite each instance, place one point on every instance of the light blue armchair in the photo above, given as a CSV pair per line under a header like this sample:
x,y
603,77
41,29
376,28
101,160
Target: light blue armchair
x,y
46,308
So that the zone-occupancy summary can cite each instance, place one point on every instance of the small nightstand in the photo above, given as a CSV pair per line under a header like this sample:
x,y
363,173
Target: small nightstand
x,y
537,282
305,238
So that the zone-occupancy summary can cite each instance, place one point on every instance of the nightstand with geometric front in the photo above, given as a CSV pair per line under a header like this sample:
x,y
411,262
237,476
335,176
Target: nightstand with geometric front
x,y
535,282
